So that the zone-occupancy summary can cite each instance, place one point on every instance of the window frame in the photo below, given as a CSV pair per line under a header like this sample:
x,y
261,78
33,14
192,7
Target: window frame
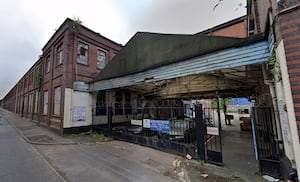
x,y
45,102
59,54
82,59
36,102
48,65
98,61
57,101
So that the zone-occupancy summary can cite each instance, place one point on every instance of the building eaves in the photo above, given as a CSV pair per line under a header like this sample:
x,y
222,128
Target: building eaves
x,y
146,51
66,24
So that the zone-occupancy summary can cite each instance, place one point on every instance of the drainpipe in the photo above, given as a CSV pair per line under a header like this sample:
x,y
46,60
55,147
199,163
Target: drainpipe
x,y
271,85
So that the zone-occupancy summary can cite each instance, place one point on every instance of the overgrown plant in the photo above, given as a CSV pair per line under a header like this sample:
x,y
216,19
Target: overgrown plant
x,y
75,25
274,68
37,79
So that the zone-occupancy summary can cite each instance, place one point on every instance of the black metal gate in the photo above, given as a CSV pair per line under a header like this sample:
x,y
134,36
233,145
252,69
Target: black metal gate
x,y
266,146
208,137
171,131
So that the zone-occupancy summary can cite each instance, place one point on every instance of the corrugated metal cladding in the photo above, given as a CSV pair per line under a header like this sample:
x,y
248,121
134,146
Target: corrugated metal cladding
x,y
255,53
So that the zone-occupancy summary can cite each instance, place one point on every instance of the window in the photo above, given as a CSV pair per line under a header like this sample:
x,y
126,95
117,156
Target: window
x,y
119,103
101,59
48,61
128,109
25,103
59,55
45,111
139,105
82,52
101,104
36,105
30,102
57,96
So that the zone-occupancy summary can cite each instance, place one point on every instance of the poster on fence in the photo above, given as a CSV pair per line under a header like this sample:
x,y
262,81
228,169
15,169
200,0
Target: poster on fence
x,y
160,125
79,113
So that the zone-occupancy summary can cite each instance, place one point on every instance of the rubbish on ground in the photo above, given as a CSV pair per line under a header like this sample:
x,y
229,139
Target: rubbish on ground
x,y
204,175
270,178
188,156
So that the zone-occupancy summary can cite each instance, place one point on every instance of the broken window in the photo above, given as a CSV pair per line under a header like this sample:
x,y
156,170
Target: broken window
x,y
59,55
82,53
101,59
57,96
101,104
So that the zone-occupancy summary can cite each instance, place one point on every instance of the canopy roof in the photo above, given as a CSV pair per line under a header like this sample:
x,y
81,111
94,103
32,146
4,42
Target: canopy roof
x,y
146,51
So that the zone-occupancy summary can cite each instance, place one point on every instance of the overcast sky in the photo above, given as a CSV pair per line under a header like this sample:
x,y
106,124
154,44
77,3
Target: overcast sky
x,y
26,25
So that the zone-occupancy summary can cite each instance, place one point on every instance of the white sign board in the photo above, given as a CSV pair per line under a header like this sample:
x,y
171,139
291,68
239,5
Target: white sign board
x,y
136,122
146,123
212,130
139,122
79,113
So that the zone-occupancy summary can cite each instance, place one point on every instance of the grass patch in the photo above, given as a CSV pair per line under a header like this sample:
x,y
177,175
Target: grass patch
x,y
88,137
72,136
99,137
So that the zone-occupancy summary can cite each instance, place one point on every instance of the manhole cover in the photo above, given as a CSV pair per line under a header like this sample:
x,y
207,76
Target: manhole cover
x,y
40,138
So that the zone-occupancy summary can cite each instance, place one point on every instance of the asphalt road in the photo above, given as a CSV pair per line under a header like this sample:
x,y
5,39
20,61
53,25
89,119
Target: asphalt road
x,y
110,162
19,161
101,161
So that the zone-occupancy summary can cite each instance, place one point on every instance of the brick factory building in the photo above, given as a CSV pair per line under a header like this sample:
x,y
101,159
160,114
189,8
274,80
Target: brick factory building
x,y
72,56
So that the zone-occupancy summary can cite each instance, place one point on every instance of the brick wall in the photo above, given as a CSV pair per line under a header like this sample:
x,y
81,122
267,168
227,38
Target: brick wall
x,y
290,29
236,30
61,75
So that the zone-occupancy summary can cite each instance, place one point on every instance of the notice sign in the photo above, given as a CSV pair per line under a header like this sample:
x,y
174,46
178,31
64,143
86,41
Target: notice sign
x,y
79,113
212,130
146,123
160,125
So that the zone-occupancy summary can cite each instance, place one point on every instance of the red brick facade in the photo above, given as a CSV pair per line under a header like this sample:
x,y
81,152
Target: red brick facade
x,y
238,30
233,28
27,97
290,29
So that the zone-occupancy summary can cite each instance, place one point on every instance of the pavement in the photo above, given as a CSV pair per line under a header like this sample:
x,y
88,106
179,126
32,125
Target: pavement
x,y
177,168
34,133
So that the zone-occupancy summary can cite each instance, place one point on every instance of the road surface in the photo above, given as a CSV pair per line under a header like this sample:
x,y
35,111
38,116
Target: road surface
x,y
19,161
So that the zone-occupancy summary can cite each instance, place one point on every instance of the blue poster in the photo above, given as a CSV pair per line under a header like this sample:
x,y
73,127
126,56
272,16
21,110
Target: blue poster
x,y
160,125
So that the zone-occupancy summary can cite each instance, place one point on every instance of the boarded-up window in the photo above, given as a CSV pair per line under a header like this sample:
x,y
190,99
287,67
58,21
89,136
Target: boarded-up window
x,y
82,53
101,59
30,103
26,104
36,105
45,108
57,96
